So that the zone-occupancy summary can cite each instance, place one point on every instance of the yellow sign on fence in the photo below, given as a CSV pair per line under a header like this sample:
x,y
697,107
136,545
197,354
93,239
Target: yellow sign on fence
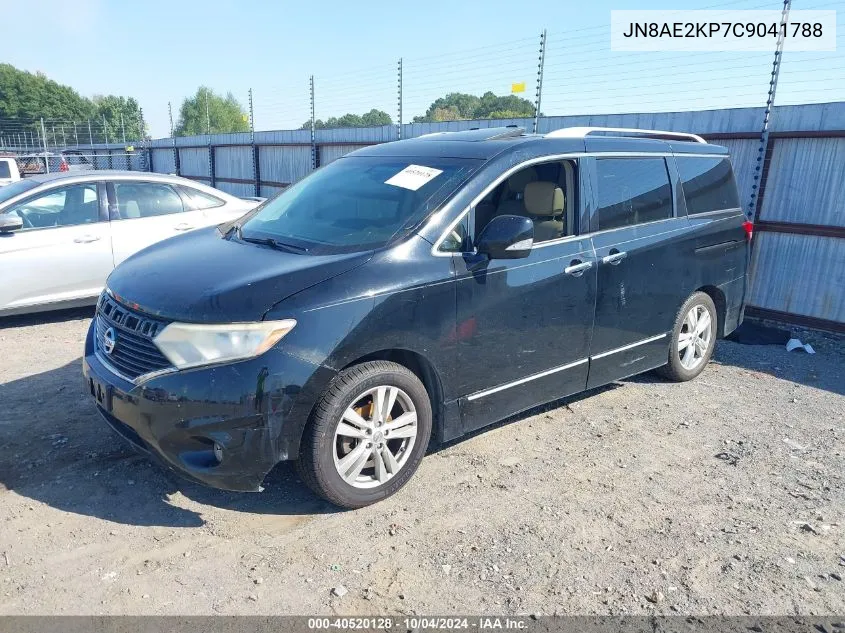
x,y
520,87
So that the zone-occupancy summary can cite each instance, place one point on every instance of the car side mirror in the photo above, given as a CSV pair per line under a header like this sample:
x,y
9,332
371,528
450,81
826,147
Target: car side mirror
x,y
10,223
507,237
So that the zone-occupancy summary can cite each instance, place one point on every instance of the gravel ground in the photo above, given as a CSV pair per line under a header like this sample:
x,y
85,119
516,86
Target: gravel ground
x,y
720,496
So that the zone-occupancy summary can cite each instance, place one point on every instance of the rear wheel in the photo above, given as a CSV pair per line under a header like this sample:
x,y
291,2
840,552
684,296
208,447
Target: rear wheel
x,y
367,434
693,339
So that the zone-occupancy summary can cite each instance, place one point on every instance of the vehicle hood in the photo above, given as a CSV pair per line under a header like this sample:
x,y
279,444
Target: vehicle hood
x,y
202,277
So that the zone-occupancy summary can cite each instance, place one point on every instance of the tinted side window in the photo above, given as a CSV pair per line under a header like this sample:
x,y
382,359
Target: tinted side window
x,y
632,191
5,170
201,200
708,184
146,199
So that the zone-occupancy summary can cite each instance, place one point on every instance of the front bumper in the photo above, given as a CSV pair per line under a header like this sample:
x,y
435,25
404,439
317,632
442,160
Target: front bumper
x,y
254,411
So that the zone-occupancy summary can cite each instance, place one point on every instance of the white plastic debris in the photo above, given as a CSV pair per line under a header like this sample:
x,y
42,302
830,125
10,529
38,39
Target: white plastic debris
x,y
795,343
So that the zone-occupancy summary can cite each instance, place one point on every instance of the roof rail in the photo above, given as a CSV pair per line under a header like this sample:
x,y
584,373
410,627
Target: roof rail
x,y
579,132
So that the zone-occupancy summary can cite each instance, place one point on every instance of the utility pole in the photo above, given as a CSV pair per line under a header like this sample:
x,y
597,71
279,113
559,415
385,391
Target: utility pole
x,y
313,130
44,138
399,128
75,135
64,139
764,151
540,66
123,128
105,129
90,135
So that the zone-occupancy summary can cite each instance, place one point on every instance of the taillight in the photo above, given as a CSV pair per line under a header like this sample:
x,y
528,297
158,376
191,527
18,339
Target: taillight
x,y
748,225
64,166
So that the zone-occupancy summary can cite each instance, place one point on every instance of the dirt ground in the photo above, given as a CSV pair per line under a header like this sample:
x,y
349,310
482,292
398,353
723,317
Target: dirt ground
x,y
720,496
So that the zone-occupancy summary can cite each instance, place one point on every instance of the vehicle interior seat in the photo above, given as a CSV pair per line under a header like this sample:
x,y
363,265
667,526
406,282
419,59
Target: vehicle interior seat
x,y
544,203
131,210
511,201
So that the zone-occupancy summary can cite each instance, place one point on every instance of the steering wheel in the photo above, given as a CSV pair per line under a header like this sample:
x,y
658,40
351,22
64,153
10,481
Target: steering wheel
x,y
27,223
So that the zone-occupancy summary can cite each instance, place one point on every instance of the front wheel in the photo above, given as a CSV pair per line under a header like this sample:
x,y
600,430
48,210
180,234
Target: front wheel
x,y
367,434
693,339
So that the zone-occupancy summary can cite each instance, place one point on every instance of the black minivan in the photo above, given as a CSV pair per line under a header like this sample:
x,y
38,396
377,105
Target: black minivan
x,y
425,287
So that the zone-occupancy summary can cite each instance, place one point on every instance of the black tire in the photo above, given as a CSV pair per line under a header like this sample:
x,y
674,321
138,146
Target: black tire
x,y
316,458
673,369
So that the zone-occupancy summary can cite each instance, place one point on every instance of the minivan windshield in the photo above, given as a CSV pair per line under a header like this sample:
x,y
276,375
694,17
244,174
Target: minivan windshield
x,y
356,203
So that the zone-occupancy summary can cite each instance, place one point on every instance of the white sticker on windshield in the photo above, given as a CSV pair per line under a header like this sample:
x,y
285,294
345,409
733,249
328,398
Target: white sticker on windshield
x,y
413,177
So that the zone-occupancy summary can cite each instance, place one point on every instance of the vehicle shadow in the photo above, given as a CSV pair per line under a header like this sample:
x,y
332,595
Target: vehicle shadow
x,y
53,316
59,452
823,370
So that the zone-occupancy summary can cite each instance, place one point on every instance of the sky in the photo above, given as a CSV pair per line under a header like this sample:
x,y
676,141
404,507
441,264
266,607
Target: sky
x,y
160,52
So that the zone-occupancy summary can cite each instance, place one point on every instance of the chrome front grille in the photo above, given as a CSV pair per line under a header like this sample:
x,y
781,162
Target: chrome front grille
x,y
133,352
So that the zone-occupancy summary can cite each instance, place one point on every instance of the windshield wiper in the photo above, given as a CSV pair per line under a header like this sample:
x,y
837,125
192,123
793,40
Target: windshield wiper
x,y
269,241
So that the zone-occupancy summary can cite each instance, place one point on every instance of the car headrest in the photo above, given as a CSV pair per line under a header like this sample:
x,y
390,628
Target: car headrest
x,y
543,199
518,181
132,210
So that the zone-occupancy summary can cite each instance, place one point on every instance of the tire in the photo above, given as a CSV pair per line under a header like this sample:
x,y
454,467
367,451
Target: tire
x,y
325,442
677,369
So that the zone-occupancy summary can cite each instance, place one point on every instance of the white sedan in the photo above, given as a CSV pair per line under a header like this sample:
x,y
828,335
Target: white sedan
x,y
62,234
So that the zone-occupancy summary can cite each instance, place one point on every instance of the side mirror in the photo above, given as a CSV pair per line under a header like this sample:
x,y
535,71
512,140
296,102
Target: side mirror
x,y
10,223
507,237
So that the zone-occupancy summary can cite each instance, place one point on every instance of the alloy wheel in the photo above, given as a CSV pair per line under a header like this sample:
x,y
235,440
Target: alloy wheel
x,y
694,337
374,437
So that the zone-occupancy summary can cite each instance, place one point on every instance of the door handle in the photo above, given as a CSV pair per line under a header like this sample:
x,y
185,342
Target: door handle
x,y
184,226
85,239
576,268
614,258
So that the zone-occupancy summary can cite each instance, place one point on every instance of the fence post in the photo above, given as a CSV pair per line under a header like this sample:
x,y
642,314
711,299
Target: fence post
x,y
90,135
540,66
399,127
75,135
146,152
173,136
256,173
44,139
314,158
764,152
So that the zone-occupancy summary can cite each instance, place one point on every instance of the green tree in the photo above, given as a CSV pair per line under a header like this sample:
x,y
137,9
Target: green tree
x,y
373,117
457,105
30,97
120,114
224,113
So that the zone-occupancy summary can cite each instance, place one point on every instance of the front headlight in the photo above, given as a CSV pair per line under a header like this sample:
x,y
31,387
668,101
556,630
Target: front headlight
x,y
193,344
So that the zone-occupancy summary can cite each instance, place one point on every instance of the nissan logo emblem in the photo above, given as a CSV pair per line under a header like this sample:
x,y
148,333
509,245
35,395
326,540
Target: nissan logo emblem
x,y
109,340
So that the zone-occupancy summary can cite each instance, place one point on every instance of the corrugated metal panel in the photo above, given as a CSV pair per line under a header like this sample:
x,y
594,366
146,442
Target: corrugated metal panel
x,y
235,188
233,162
284,164
819,116
283,136
380,134
163,161
268,191
329,153
800,274
743,155
806,182
193,162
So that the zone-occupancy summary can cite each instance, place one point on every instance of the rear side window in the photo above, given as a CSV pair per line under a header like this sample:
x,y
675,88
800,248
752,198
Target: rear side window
x,y
5,171
632,191
146,200
200,200
708,184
